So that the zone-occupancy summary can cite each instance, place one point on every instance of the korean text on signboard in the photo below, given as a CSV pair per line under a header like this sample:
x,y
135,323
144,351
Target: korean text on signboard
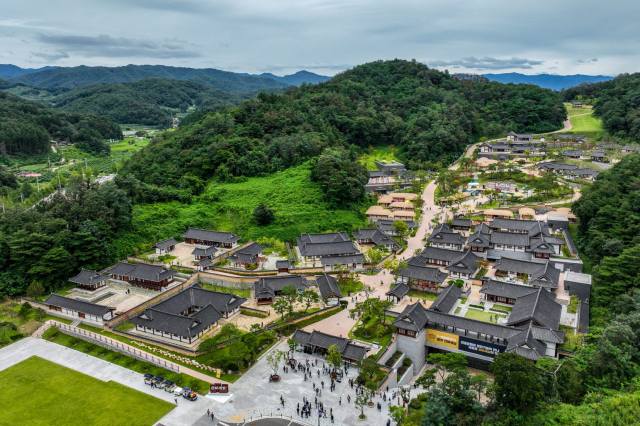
x,y
480,347
219,388
443,339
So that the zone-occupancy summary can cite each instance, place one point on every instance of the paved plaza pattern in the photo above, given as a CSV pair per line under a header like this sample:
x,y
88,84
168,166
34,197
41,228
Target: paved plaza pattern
x,y
254,395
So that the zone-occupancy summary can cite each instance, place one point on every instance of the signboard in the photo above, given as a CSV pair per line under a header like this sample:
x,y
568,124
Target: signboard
x,y
219,388
218,373
480,347
442,339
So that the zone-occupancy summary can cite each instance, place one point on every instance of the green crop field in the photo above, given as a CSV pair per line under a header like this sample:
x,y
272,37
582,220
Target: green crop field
x,y
586,123
129,144
39,392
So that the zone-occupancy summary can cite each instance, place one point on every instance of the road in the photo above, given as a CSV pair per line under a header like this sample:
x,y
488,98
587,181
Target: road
x,y
567,124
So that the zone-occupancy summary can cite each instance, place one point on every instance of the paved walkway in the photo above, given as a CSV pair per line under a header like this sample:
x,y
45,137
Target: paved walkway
x,y
186,412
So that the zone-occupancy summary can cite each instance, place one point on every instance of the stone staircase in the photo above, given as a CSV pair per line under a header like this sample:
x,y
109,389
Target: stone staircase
x,y
76,323
40,331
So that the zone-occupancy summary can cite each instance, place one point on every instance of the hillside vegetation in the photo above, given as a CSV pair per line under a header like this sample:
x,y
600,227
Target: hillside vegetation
x,y
83,75
26,128
424,112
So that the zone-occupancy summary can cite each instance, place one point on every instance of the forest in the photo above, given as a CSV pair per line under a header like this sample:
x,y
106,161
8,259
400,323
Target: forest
x,y
426,113
26,128
616,102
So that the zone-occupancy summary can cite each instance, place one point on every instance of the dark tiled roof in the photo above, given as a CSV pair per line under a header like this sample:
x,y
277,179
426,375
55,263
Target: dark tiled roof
x,y
238,257
548,276
447,299
149,272
352,351
327,237
543,244
207,251
197,296
584,172
502,289
326,248
418,271
414,317
323,340
121,268
166,243
447,238
253,248
440,254
572,153
533,226
378,237
328,286
177,324
204,262
583,317
540,307
479,239
214,236
518,266
461,222
281,264
342,260
598,154
268,286
89,277
466,263
399,290
510,238
526,345
77,305
386,225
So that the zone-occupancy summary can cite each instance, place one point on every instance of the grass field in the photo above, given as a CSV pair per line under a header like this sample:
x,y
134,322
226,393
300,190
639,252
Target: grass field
x,y
422,294
582,164
571,112
482,316
39,392
377,153
298,203
586,123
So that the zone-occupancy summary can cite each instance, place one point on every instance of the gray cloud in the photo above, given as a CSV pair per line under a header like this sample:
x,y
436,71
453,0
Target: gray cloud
x,y
110,47
487,63
50,57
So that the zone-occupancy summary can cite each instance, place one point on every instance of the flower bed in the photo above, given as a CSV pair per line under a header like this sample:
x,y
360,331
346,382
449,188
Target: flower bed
x,y
393,359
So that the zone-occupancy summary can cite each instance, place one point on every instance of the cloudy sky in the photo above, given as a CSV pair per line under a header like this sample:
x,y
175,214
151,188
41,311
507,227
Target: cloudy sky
x,y
326,36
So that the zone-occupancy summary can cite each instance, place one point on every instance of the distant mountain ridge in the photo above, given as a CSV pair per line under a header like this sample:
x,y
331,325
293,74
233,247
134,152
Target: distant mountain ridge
x,y
548,81
83,75
10,71
294,79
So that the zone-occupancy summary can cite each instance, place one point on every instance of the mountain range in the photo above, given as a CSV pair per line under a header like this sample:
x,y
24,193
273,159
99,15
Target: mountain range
x,y
548,81
294,79
10,71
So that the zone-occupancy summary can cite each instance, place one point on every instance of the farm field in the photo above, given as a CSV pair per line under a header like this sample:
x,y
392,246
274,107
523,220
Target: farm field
x,y
40,392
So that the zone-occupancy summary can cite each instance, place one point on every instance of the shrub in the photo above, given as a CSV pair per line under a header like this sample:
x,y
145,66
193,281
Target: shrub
x,y
406,362
477,306
393,359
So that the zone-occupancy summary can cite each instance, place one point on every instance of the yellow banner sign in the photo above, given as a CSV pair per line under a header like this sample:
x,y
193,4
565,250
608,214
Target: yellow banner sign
x,y
443,339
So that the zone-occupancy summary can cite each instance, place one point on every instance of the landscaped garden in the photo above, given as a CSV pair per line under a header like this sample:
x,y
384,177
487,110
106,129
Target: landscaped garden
x,y
483,316
422,294
21,320
39,392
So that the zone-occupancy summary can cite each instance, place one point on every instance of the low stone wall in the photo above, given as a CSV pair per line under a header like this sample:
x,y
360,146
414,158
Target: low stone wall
x,y
406,377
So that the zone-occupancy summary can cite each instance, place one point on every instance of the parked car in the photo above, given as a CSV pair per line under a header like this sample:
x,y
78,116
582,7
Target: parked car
x,y
169,386
178,391
158,381
148,378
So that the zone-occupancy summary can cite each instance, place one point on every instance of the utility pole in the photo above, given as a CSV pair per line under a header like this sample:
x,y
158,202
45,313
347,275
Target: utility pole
x,y
49,161
85,164
37,183
59,184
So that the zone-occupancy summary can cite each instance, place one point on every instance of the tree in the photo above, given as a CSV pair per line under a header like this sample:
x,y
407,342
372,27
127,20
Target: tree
x,y
479,383
263,215
293,345
240,351
5,326
373,256
35,289
517,385
23,312
290,296
273,360
281,306
40,314
437,411
447,363
308,298
428,379
402,230
362,399
208,346
398,414
334,357
228,332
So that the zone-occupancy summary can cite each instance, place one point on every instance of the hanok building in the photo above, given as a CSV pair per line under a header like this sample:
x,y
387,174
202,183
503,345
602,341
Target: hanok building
x,y
532,227
417,275
79,309
143,274
422,331
480,240
283,266
519,137
460,224
577,104
165,246
329,290
376,237
599,156
503,292
90,280
247,255
446,299
319,342
585,173
188,315
398,291
266,289
388,227
540,308
204,253
630,149
332,249
445,238
205,237
574,154
558,168
531,273
464,267
203,264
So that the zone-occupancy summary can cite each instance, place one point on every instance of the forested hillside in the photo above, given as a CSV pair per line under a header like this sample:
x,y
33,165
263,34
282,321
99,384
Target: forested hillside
x,y
83,75
609,231
152,101
26,128
427,114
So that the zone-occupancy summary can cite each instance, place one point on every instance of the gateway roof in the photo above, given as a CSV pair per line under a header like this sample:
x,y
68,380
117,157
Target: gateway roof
x,y
77,305
89,277
207,235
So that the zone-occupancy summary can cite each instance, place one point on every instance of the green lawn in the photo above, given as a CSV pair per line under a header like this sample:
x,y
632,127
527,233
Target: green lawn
x,y
422,294
129,144
571,112
586,123
39,392
482,316
377,153
236,291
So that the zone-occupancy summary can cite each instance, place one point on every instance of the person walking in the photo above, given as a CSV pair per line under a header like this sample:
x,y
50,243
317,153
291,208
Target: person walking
x,y
212,417
349,399
340,401
176,400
